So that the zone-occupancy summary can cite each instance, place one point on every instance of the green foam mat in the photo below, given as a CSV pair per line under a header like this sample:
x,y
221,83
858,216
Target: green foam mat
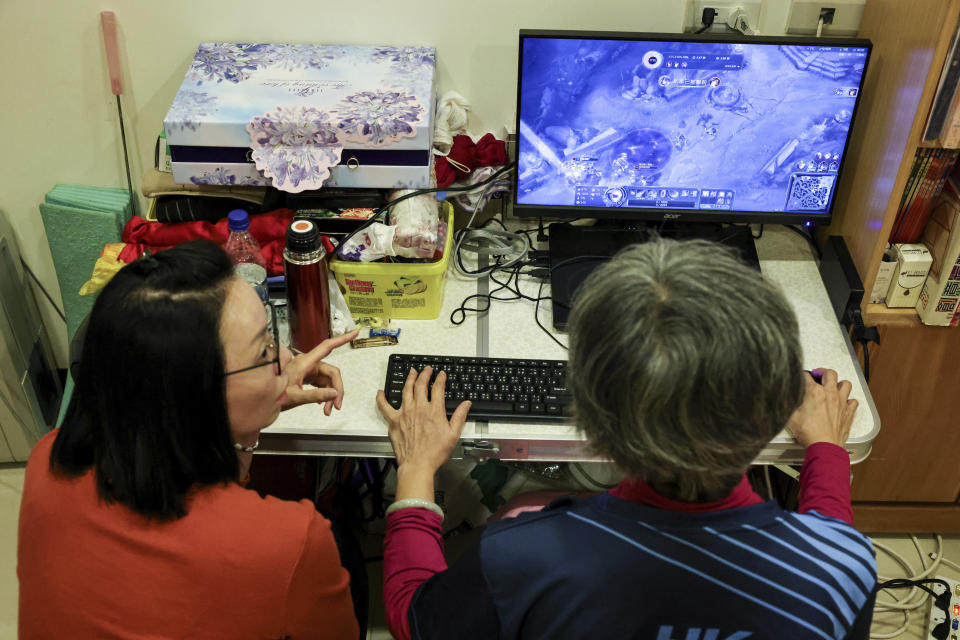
x,y
79,221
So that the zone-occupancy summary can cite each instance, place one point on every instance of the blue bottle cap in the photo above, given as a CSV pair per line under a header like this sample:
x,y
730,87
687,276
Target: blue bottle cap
x,y
238,220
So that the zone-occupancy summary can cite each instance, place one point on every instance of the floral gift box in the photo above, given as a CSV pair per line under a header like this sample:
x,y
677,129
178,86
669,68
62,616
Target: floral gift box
x,y
302,116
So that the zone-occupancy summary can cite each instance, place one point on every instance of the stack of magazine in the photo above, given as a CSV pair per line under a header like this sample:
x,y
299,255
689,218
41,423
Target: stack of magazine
x,y
927,177
943,123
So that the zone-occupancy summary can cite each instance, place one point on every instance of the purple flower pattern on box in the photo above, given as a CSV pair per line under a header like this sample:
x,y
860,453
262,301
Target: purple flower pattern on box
x,y
297,56
221,176
234,62
406,58
228,61
188,107
378,117
295,146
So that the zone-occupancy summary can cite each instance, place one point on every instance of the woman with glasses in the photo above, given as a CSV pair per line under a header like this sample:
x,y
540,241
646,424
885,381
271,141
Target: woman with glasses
x,y
134,521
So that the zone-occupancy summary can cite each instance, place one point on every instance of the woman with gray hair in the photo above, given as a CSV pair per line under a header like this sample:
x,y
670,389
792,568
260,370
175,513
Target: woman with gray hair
x,y
684,364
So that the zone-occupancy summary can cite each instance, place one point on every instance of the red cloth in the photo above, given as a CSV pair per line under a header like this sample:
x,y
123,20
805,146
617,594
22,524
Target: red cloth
x,y
490,151
413,548
485,152
236,566
268,228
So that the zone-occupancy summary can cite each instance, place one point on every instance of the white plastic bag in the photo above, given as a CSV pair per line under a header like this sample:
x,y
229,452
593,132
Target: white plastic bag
x,y
341,320
416,221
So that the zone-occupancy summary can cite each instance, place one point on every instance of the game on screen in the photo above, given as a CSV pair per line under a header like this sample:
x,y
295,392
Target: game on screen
x,y
684,125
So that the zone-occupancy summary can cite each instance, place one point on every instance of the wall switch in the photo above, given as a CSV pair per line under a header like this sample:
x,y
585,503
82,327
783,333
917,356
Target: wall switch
x,y
843,20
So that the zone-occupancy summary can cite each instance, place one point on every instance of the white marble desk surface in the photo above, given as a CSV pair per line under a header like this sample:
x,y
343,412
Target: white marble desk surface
x,y
358,429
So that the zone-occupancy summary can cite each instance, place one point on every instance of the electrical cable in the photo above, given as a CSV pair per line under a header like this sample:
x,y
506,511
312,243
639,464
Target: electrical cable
x,y
916,582
766,477
809,238
866,359
573,260
501,243
706,19
862,335
419,192
596,483
951,564
42,288
536,317
458,316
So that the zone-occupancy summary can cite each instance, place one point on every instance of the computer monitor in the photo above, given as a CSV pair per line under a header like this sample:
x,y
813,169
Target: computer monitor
x,y
684,127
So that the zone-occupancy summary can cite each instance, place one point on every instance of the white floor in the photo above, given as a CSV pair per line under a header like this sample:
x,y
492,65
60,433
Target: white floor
x,y
11,486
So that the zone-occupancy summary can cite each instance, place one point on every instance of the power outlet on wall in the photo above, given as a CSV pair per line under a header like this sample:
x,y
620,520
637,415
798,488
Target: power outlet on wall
x,y
741,15
841,17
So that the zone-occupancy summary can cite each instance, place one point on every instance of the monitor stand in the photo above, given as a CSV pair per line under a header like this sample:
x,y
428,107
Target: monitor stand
x,y
575,251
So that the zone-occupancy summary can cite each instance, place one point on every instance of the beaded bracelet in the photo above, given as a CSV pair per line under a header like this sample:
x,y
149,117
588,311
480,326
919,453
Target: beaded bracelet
x,y
415,502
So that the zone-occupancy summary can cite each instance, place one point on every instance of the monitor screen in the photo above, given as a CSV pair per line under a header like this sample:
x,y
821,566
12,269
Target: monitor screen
x,y
744,129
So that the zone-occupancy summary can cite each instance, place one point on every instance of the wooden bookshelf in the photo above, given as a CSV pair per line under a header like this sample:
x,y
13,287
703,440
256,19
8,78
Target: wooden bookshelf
x,y
911,480
880,314
910,42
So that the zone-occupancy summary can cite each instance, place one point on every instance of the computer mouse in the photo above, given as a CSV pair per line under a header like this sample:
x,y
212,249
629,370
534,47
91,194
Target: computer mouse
x,y
816,375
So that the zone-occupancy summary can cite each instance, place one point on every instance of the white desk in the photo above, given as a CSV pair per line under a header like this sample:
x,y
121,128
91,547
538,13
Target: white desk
x,y
509,331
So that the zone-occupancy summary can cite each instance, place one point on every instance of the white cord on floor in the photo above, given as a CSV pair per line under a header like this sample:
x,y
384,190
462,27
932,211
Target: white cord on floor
x,y
909,604
952,565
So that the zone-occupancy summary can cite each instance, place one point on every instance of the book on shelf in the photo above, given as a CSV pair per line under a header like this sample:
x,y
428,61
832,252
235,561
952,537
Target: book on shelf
x,y
943,110
916,174
914,170
931,170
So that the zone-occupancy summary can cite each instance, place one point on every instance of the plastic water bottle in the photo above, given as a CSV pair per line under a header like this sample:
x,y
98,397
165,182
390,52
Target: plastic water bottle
x,y
241,246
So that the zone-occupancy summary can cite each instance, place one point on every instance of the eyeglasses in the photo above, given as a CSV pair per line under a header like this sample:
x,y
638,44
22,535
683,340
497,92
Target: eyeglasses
x,y
273,346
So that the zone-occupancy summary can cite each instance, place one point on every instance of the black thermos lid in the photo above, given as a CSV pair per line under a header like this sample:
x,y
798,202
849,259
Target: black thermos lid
x,y
303,237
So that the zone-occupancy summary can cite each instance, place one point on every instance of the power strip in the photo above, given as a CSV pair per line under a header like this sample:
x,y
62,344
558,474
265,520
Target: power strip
x,y
940,626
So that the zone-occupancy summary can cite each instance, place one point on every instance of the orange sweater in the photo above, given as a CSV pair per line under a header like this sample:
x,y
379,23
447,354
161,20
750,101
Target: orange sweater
x,y
236,566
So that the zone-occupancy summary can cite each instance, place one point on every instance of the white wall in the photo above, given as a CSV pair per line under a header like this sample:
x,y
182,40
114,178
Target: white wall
x,y
59,119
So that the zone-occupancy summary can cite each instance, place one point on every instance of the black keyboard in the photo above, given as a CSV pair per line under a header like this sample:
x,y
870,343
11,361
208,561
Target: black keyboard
x,y
499,388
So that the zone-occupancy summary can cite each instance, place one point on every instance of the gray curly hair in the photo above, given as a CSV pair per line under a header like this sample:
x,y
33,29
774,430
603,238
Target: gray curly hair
x,y
684,363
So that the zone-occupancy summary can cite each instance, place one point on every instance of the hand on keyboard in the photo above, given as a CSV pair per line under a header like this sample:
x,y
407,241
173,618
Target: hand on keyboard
x,y
420,433
499,388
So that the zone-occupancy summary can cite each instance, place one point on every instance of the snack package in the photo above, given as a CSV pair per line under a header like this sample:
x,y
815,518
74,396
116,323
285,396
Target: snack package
x,y
415,220
375,242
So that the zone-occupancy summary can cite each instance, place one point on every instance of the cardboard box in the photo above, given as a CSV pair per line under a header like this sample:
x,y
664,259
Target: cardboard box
x,y
913,264
888,265
163,160
939,302
302,116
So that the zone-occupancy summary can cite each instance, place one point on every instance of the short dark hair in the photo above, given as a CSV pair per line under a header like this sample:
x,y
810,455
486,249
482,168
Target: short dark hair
x,y
149,409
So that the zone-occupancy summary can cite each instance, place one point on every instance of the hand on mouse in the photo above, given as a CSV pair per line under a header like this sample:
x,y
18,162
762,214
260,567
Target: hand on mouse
x,y
826,413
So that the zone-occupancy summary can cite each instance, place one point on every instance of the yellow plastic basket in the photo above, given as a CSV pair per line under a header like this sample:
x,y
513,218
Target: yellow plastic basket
x,y
396,289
